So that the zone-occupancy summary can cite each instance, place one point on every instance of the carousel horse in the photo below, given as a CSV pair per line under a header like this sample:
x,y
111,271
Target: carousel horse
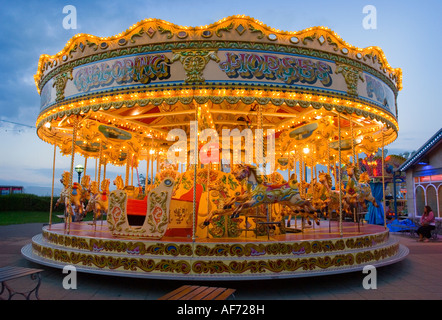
x,y
364,192
305,190
64,195
358,190
73,200
319,195
85,185
260,193
119,183
98,202
132,192
352,187
76,201
224,200
330,198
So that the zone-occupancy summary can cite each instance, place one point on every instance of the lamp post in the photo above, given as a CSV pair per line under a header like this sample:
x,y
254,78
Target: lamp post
x,y
306,152
396,174
79,168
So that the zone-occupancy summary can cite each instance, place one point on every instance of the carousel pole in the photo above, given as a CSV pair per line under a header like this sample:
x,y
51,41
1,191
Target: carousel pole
x,y
301,175
208,193
304,181
104,170
147,171
85,165
104,178
329,172
151,170
383,179
126,178
195,160
311,170
340,176
53,178
99,178
352,141
69,209
328,157
99,166
132,171
354,160
151,161
158,163
336,172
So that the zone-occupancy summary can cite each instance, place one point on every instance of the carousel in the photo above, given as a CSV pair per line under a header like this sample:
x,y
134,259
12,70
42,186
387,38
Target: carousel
x,y
250,138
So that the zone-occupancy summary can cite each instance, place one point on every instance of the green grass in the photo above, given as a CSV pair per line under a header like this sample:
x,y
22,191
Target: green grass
x,y
21,217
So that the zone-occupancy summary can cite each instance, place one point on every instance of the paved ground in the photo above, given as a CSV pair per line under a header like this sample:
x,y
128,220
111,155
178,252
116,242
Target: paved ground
x,y
418,277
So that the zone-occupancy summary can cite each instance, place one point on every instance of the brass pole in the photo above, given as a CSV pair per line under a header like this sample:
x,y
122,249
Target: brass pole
x,y
53,178
69,209
208,193
383,180
147,173
126,178
195,172
99,179
104,170
352,141
151,170
340,177
132,171
85,165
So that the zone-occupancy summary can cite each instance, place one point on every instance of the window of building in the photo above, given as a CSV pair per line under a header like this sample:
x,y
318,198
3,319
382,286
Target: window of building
x,y
420,200
432,199
439,200
428,191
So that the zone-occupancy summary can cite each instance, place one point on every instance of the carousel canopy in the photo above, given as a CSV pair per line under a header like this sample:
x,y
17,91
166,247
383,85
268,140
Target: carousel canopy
x,y
126,92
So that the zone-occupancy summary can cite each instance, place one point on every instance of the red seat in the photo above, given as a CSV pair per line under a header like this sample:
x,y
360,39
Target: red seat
x,y
137,207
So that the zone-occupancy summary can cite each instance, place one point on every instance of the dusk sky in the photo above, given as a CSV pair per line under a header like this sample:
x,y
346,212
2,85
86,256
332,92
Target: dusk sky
x,y
407,31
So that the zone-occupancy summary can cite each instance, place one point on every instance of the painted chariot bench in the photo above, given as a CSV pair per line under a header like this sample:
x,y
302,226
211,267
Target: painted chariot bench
x,y
156,204
162,215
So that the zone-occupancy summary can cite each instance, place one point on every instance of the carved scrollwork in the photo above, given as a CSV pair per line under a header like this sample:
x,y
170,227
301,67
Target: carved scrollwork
x,y
194,63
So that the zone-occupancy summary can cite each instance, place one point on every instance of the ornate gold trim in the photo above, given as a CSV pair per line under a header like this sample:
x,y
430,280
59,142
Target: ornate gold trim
x,y
254,30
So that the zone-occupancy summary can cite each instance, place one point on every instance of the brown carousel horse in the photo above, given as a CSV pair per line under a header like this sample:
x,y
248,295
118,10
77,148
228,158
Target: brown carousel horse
x,y
261,193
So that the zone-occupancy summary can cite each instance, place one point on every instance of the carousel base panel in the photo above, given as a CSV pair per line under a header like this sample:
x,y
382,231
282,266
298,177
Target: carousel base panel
x,y
318,250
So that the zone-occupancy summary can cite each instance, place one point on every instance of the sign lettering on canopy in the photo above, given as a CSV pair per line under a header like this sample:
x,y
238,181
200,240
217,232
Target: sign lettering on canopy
x,y
251,68
271,67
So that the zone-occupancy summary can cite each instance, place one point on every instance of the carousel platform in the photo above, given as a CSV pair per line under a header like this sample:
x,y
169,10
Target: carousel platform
x,y
316,251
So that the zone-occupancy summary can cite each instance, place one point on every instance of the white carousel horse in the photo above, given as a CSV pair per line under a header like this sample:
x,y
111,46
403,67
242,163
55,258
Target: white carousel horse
x,y
261,193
